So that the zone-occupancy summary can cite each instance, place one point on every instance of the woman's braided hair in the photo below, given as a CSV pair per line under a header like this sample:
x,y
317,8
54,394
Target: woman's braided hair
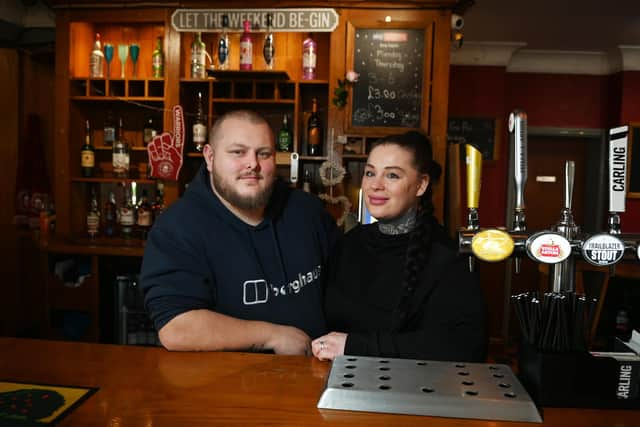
x,y
419,146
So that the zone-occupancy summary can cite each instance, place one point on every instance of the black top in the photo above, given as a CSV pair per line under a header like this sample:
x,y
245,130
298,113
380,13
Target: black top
x,y
199,255
444,319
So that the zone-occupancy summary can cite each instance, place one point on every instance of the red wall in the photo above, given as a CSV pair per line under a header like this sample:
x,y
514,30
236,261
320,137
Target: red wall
x,y
630,112
550,100
480,92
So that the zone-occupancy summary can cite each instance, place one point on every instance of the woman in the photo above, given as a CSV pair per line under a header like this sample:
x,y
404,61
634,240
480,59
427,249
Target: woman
x,y
397,287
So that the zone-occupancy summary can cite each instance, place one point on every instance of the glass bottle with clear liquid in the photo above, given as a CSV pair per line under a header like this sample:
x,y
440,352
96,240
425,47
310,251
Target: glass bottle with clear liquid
x,y
96,59
120,158
198,57
223,45
269,50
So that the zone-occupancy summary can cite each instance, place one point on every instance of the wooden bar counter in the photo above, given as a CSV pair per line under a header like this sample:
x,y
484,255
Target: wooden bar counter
x,y
151,387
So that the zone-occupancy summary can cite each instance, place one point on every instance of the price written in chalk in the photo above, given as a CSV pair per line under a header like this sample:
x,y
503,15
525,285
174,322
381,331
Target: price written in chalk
x,y
390,64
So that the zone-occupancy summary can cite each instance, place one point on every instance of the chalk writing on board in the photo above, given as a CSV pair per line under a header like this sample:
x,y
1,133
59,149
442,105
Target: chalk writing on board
x,y
479,132
389,91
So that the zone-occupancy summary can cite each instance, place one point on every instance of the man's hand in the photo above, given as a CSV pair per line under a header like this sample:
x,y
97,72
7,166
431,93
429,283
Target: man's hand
x,y
165,150
289,340
329,346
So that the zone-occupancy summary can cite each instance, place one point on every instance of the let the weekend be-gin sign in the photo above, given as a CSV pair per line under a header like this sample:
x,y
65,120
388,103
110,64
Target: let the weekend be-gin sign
x,y
283,20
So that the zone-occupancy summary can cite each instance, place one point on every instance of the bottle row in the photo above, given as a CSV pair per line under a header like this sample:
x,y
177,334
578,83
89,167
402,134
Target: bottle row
x,y
284,137
113,138
200,60
100,59
222,51
130,215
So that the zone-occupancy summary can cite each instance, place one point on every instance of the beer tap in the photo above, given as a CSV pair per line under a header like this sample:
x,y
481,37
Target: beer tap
x,y
518,139
474,173
606,249
563,273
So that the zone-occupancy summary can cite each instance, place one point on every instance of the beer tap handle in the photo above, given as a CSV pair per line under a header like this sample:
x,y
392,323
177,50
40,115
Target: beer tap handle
x,y
518,137
474,172
569,180
518,133
618,140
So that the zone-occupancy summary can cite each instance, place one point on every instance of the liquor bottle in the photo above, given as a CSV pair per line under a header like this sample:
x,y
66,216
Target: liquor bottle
x,y
223,45
284,136
120,154
109,129
144,215
268,50
126,214
309,58
149,130
93,215
157,60
87,153
96,59
198,57
246,47
199,126
158,206
314,131
110,215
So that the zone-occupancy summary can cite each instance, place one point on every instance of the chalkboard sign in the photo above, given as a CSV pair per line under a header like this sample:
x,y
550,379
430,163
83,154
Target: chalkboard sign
x,y
389,91
475,131
634,162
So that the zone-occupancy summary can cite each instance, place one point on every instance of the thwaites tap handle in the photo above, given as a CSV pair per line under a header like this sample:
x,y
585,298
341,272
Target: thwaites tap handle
x,y
569,181
518,137
474,173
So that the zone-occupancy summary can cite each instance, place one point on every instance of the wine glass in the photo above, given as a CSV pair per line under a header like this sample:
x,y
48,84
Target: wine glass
x,y
123,52
108,56
134,51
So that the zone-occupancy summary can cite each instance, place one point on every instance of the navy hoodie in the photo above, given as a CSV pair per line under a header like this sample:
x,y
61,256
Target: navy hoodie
x,y
199,255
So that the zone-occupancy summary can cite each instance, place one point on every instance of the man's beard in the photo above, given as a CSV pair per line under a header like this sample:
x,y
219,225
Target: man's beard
x,y
227,192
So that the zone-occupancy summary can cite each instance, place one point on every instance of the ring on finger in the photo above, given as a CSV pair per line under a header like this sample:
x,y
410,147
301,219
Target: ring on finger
x,y
322,346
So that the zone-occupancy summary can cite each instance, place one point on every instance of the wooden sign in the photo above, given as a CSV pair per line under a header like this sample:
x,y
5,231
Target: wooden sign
x,y
388,93
289,20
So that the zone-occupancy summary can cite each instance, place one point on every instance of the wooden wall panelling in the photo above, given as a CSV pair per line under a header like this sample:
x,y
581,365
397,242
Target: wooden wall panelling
x,y
61,120
439,100
9,70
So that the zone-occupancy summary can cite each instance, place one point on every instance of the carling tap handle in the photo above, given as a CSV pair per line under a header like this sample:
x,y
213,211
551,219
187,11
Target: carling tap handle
x,y
618,139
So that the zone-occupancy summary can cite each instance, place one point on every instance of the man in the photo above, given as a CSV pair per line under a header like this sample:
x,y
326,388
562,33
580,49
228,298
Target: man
x,y
237,263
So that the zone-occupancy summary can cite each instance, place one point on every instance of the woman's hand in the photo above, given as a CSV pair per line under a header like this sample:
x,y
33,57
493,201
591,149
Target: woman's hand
x,y
327,347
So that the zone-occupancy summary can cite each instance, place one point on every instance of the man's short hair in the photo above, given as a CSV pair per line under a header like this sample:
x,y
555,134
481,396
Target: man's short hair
x,y
245,115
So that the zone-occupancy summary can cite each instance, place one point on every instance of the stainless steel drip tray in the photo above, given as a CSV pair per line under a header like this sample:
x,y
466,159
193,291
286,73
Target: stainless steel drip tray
x,y
421,387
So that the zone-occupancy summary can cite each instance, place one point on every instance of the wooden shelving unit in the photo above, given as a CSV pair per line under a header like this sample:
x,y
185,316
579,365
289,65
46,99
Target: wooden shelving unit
x,y
273,93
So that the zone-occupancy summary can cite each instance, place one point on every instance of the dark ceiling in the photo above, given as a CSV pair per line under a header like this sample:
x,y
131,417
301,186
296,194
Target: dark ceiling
x,y
583,25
